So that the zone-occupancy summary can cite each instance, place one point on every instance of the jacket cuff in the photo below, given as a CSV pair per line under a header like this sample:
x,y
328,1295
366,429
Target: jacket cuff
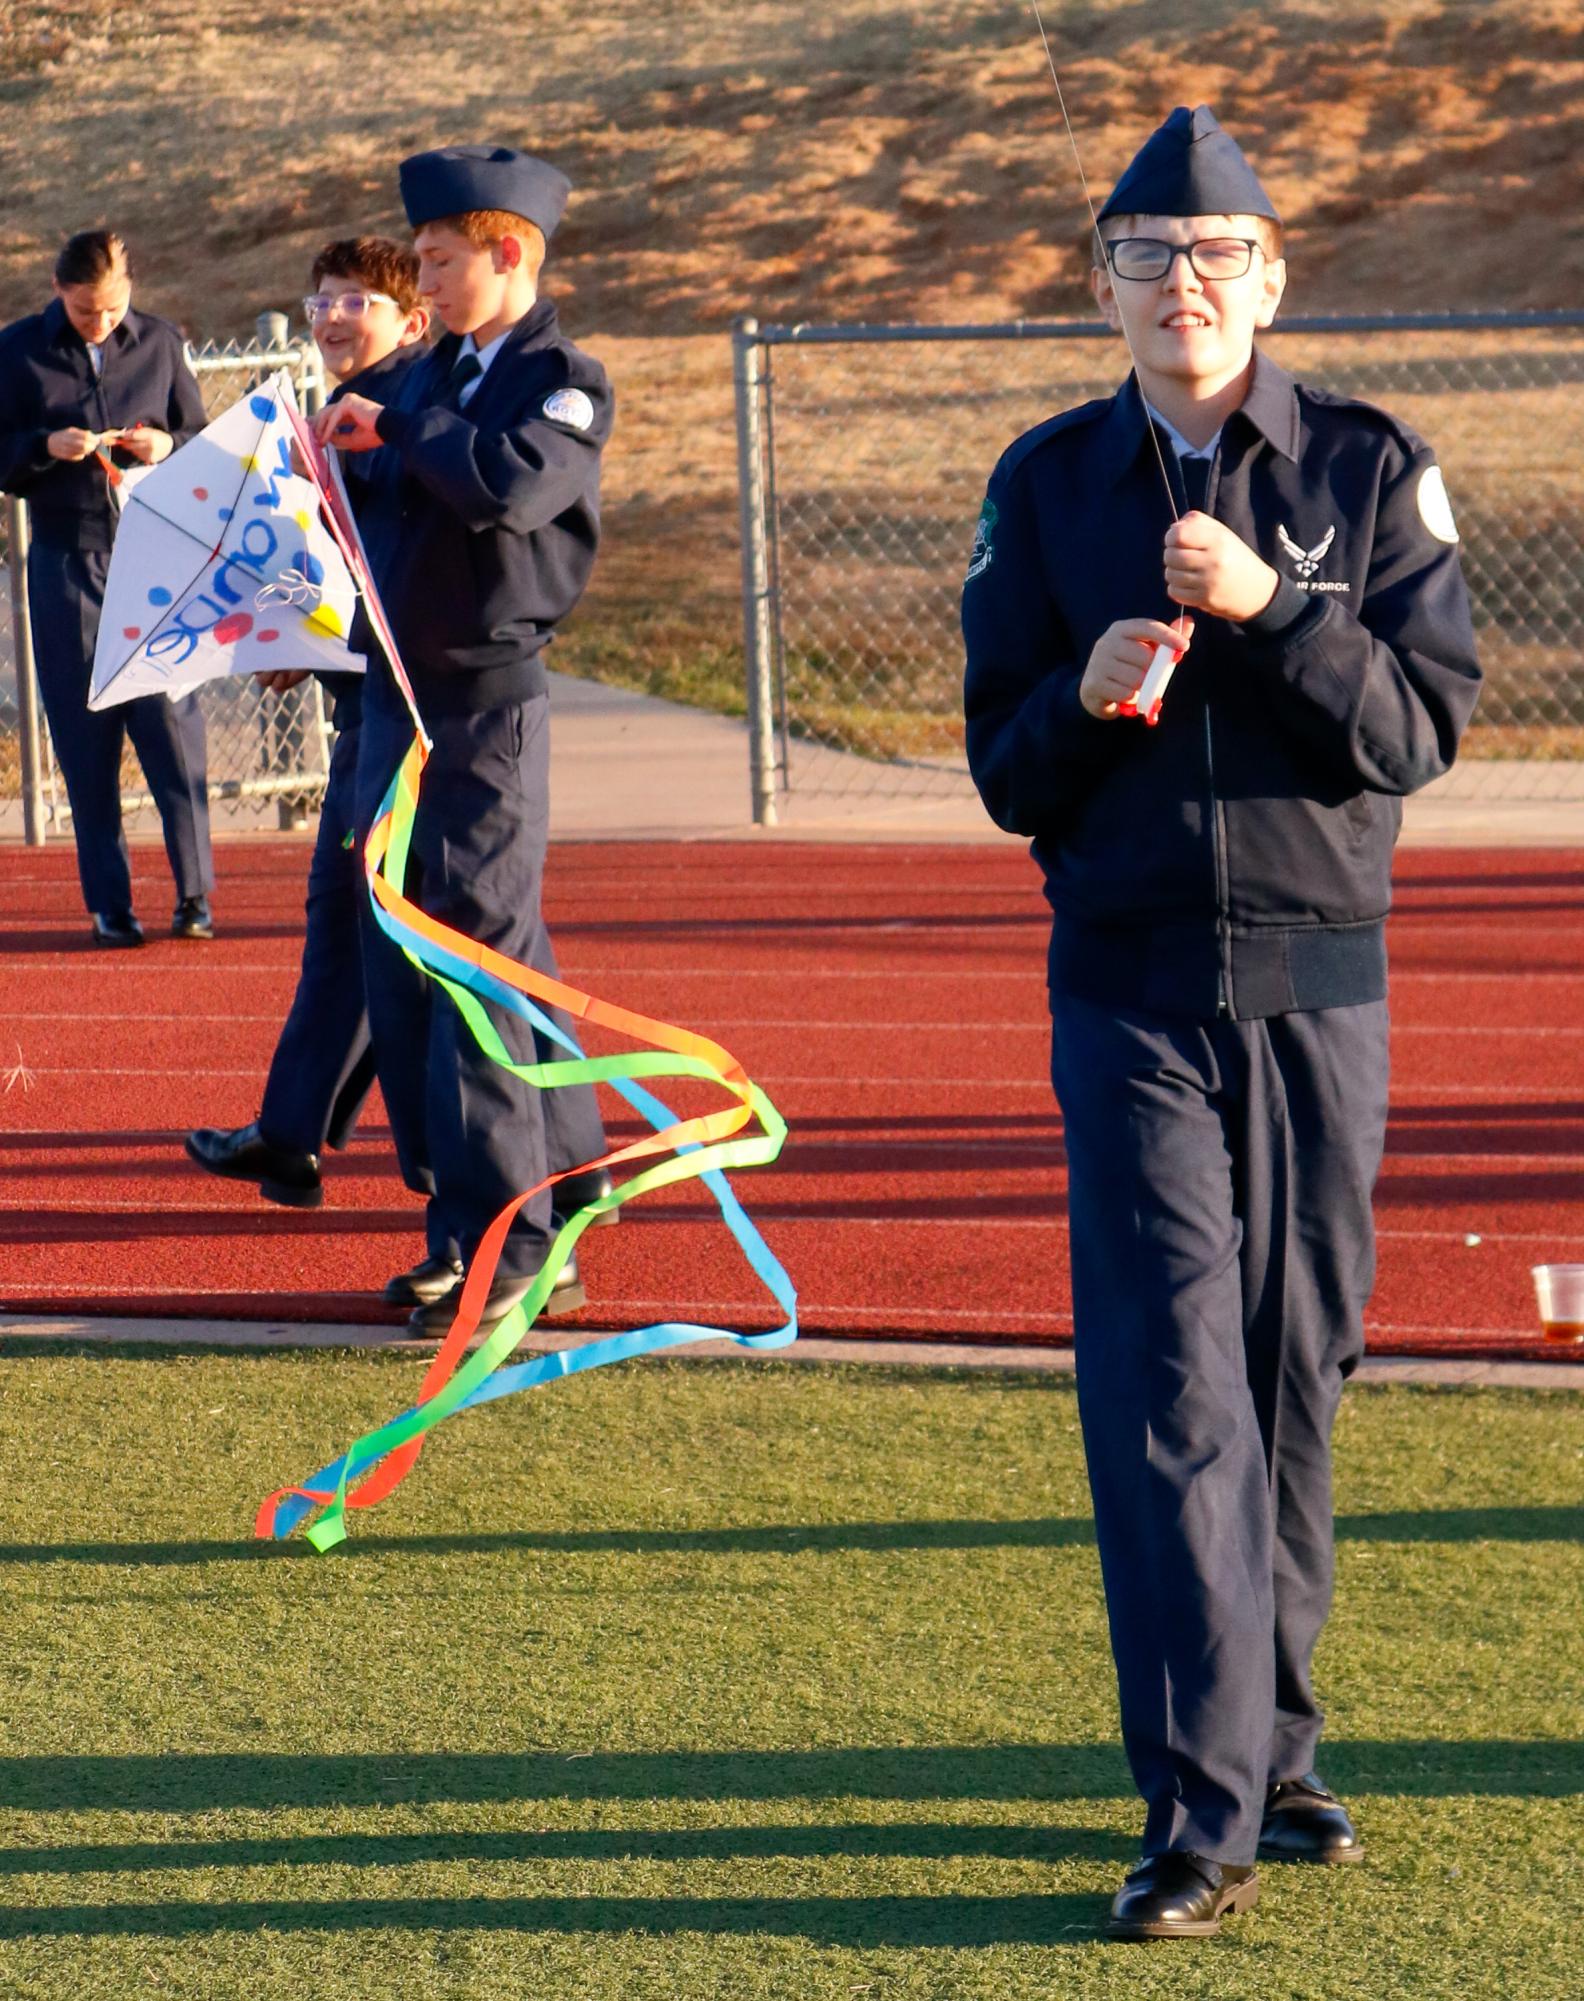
x,y
1072,715
1284,610
393,425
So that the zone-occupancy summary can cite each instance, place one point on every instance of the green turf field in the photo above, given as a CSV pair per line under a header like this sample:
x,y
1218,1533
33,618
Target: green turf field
x,y
744,1681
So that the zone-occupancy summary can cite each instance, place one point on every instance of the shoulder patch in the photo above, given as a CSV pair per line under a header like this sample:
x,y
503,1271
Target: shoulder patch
x,y
571,407
983,546
1435,509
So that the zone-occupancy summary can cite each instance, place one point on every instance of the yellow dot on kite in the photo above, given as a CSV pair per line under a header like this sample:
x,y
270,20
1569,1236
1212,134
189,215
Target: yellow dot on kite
x,y
250,465
327,619
302,521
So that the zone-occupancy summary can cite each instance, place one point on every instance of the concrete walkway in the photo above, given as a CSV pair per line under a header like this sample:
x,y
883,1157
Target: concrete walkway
x,y
70,1330
631,767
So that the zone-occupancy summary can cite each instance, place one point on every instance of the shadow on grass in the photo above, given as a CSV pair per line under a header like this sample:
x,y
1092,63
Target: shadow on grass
x,y
1549,1524
1045,1919
173,1782
934,1841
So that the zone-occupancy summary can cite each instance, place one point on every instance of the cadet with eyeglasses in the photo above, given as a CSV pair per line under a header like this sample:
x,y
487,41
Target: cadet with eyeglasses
x,y
370,326
1217,966
92,391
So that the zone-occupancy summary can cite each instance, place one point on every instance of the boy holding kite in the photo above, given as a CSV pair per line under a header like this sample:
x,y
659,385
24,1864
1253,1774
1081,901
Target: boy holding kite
x,y
481,518
1217,966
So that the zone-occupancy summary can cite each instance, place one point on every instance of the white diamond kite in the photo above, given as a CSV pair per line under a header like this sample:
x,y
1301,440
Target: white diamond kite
x,y
222,563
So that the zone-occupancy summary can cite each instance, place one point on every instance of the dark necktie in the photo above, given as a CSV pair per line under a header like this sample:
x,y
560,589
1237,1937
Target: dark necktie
x,y
465,369
1196,480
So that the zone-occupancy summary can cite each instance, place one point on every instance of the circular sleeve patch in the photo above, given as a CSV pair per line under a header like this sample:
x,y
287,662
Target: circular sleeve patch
x,y
1435,509
570,406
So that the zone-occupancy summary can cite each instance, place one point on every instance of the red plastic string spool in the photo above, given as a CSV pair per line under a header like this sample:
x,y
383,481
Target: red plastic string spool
x,y
1147,702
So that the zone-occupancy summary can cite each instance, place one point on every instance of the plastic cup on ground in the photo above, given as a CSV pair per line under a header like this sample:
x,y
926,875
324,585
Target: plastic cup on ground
x,y
1560,1292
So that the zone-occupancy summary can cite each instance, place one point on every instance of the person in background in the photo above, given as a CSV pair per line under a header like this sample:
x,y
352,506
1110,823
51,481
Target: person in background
x,y
89,389
369,325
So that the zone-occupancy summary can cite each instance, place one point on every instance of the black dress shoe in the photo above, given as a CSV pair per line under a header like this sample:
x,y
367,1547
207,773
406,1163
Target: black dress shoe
x,y
1180,1895
435,1278
242,1153
116,929
566,1296
1306,1822
192,918
576,1192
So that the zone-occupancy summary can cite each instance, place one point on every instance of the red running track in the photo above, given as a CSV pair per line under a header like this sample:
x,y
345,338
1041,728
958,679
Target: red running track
x,y
890,999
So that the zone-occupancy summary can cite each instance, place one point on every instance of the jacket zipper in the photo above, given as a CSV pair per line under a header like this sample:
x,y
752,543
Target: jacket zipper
x,y
1217,828
1218,850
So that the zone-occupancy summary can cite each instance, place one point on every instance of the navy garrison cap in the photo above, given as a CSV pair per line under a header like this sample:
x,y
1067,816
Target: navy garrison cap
x,y
1189,167
456,180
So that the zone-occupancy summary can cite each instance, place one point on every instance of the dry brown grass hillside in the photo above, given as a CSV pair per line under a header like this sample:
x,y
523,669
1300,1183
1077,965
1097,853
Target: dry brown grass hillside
x,y
854,159
858,160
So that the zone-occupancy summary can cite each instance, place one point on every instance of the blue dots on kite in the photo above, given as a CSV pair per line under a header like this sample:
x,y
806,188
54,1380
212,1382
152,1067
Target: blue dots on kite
x,y
312,568
159,595
262,406
225,513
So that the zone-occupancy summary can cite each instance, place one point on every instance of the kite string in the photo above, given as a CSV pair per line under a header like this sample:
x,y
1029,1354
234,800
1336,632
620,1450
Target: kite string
x,y
1094,224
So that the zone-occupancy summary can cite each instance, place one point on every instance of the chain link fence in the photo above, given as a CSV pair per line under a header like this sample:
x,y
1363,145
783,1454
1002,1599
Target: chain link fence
x,y
268,753
863,457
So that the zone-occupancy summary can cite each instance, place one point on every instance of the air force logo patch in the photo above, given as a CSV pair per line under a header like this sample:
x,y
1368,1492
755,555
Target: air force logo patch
x,y
979,560
571,407
1306,561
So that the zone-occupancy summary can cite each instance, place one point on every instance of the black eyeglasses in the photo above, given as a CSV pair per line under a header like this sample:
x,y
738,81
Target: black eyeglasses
x,y
1146,258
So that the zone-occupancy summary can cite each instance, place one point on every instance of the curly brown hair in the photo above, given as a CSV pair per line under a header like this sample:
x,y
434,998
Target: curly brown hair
x,y
381,263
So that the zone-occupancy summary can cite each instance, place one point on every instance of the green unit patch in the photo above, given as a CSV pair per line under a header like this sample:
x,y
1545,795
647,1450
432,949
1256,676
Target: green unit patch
x,y
979,560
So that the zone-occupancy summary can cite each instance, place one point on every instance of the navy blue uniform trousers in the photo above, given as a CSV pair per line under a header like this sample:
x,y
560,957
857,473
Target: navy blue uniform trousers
x,y
1219,1183
323,1066
66,591
468,1134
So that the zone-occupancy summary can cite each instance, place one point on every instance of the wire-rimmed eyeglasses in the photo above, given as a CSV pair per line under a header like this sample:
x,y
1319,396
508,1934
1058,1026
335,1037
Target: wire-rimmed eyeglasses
x,y
354,304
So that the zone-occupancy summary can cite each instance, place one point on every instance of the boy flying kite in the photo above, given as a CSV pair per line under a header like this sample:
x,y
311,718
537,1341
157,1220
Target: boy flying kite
x,y
1217,966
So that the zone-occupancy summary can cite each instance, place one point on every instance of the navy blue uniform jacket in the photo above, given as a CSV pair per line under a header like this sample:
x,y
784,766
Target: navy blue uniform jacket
x,y
47,383
481,524
1236,859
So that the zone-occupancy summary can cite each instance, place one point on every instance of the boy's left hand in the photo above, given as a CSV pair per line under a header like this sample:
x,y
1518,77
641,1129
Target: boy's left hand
x,y
146,442
1213,570
349,424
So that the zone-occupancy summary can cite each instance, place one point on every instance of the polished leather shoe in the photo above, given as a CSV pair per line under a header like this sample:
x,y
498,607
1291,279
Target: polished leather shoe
x,y
576,1192
116,929
566,1296
191,918
433,1279
1306,1822
1180,1895
242,1153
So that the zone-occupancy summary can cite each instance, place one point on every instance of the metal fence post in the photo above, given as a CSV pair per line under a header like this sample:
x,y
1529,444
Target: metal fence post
x,y
29,738
747,362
